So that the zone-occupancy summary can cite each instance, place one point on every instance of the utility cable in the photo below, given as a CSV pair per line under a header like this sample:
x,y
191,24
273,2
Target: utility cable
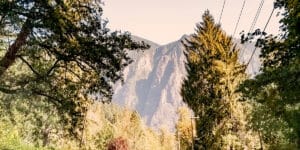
x,y
256,16
222,11
260,37
238,21
253,23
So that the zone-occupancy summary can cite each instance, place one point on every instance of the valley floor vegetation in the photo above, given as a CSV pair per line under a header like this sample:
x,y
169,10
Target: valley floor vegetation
x,y
26,125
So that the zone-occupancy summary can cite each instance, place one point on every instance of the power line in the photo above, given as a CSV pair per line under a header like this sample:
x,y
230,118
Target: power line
x,y
238,21
222,11
256,16
260,37
253,23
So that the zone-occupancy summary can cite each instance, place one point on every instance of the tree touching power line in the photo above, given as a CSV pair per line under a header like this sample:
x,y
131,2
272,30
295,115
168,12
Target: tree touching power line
x,y
213,74
277,88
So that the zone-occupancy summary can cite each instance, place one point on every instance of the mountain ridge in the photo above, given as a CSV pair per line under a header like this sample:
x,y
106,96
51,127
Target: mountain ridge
x,y
152,82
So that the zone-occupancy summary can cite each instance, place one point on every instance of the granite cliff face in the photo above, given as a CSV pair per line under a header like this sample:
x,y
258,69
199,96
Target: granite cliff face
x,y
153,81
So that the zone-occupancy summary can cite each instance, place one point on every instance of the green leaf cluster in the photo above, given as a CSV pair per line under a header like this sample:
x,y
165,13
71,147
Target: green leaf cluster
x,y
276,90
67,55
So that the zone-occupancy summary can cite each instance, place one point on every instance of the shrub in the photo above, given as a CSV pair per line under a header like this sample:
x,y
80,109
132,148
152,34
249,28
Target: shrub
x,y
118,144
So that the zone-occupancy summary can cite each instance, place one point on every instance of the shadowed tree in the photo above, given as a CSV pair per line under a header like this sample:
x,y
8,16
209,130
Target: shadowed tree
x,y
66,53
279,75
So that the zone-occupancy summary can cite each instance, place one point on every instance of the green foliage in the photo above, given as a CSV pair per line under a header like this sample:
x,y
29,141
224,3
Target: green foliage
x,y
103,137
10,139
36,121
24,124
214,74
66,51
277,87
184,127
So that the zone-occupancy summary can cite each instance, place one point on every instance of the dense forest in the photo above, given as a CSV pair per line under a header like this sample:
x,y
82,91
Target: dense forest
x,y
59,63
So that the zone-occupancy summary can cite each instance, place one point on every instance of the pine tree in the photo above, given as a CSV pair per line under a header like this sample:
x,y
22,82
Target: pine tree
x,y
210,87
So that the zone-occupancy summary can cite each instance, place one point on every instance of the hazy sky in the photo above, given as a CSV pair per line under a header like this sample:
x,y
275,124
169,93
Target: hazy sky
x,y
164,21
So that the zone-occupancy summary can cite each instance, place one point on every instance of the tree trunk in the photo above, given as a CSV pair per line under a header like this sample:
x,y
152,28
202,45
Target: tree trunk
x,y
11,55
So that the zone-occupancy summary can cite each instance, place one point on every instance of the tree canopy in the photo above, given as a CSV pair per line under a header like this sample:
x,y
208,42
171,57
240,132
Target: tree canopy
x,y
67,54
277,87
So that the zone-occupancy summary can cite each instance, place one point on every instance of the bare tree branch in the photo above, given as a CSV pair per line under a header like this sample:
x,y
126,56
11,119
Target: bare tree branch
x,y
31,68
52,99
54,66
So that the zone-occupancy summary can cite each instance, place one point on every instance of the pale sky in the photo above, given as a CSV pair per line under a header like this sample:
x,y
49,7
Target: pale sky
x,y
164,21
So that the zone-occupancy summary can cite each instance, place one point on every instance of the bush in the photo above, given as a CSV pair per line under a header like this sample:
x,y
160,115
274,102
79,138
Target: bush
x,y
118,144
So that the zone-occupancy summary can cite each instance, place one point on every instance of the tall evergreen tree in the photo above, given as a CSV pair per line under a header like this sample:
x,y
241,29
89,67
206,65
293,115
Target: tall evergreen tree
x,y
65,50
213,74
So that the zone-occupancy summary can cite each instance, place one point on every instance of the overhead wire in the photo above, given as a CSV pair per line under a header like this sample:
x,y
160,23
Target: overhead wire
x,y
238,21
253,23
239,18
222,11
260,37
256,16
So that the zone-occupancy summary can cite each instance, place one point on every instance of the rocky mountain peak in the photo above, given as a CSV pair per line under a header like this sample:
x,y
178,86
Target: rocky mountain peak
x,y
153,81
